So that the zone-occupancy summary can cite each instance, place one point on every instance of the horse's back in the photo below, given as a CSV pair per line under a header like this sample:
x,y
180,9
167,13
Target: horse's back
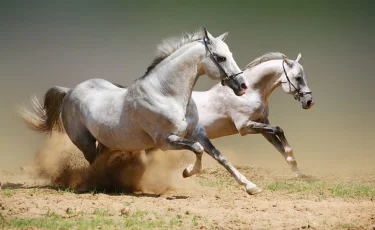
x,y
104,110
95,101
97,85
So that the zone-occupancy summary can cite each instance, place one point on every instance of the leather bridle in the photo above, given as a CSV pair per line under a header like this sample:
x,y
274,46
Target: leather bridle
x,y
213,58
298,94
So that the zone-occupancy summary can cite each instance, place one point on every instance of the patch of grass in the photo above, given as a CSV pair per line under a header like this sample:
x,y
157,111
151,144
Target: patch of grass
x,y
352,190
139,219
2,221
195,220
324,189
101,212
69,190
66,190
295,186
176,221
128,203
51,214
48,222
8,192
93,191
57,222
96,223
348,226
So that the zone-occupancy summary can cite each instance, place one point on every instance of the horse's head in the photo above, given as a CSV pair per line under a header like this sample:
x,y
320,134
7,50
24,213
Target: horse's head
x,y
220,64
293,81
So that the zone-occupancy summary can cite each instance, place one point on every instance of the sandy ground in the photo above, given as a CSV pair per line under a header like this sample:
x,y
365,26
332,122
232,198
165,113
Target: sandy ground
x,y
160,198
214,203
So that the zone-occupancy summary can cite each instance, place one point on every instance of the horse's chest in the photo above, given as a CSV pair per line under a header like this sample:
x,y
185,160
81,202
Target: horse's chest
x,y
257,110
177,120
186,123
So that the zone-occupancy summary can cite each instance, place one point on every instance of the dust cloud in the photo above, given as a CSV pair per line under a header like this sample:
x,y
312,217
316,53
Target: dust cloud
x,y
63,165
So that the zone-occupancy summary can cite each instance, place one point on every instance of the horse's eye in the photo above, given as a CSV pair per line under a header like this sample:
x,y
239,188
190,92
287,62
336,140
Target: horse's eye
x,y
221,59
298,78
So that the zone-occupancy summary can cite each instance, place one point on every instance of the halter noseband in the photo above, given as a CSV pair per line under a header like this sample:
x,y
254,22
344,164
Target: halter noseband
x,y
298,94
212,56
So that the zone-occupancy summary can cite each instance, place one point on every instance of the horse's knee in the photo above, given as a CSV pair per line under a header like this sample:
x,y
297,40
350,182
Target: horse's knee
x,y
243,131
278,130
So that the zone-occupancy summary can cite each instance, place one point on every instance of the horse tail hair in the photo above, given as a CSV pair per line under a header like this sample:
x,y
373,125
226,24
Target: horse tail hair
x,y
45,119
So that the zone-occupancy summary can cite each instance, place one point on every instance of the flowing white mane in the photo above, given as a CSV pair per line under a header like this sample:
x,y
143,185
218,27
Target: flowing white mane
x,y
170,45
264,58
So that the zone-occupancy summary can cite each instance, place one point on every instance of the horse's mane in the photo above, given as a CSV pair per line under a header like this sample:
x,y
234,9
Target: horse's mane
x,y
266,57
170,45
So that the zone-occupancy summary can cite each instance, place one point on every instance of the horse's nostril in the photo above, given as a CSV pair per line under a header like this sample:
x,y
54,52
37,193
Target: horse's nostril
x,y
309,102
243,86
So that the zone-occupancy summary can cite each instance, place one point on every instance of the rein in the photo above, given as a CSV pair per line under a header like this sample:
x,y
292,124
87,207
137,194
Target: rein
x,y
212,56
298,94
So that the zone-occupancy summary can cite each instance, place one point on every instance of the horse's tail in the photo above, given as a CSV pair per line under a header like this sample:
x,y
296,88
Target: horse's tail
x,y
45,118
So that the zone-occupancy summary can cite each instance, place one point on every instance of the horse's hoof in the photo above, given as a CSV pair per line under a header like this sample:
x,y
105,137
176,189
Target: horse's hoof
x,y
299,174
187,171
254,190
185,174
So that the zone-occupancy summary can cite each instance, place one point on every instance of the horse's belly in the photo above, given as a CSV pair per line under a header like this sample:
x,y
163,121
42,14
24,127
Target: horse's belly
x,y
127,141
119,132
220,128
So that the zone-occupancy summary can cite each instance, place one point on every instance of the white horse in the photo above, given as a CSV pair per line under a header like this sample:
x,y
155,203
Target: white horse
x,y
223,114
155,112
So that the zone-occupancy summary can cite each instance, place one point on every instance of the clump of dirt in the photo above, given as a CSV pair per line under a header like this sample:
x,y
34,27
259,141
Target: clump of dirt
x,y
60,162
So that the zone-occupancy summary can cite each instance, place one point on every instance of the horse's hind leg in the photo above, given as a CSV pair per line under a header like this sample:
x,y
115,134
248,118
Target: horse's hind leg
x,y
275,135
279,146
100,148
81,137
87,144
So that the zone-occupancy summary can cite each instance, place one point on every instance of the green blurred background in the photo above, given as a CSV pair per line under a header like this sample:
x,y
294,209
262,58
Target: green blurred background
x,y
43,44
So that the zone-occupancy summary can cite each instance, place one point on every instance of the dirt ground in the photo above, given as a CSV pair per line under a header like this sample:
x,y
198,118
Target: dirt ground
x,y
151,194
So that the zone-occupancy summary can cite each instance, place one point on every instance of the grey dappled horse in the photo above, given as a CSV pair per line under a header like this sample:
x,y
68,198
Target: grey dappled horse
x,y
223,114
155,112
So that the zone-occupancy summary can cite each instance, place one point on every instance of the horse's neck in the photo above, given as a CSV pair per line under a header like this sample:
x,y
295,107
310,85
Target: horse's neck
x,y
264,77
177,75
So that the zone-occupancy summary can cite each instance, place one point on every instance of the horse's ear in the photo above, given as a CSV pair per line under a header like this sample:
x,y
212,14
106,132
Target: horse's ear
x,y
298,57
223,36
207,35
288,62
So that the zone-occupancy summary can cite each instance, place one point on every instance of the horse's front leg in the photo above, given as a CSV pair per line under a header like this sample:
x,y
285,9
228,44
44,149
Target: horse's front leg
x,y
201,136
178,143
275,135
